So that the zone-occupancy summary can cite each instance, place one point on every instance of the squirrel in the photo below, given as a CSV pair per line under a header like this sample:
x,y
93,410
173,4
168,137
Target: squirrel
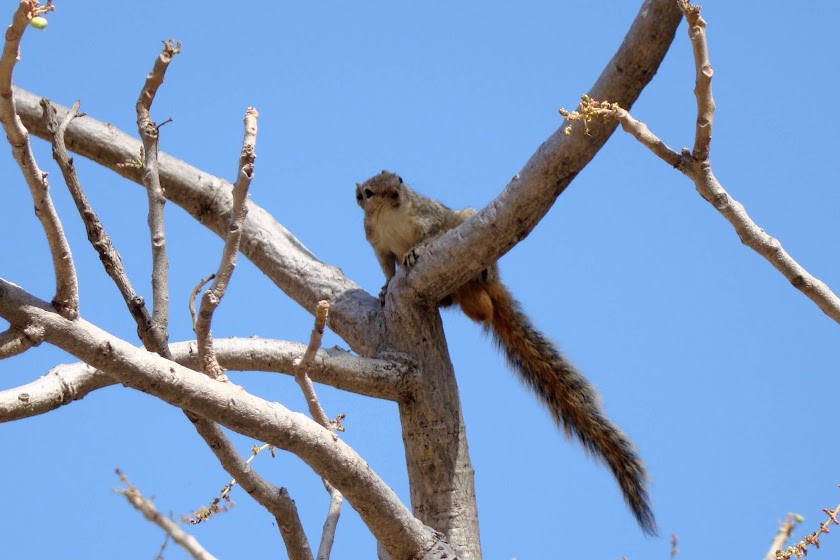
x,y
397,220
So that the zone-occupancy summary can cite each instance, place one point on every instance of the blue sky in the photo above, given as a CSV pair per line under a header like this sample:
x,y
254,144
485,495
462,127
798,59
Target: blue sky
x,y
723,375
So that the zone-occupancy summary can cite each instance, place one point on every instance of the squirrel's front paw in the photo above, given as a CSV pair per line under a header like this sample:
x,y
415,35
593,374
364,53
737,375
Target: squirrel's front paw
x,y
410,258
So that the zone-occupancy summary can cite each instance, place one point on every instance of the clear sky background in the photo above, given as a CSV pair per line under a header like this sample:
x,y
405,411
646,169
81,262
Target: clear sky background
x,y
724,376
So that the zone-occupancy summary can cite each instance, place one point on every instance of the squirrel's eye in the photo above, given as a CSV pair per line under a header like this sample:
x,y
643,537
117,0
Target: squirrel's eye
x,y
368,193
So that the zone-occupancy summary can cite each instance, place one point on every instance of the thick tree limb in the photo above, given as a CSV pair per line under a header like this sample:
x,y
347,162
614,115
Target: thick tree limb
x,y
392,524
505,221
439,467
338,368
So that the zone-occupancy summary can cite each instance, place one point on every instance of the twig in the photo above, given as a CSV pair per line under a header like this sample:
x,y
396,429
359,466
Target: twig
x,y
675,549
66,299
96,234
328,532
275,500
786,527
318,414
703,80
213,297
800,549
151,180
697,167
150,512
194,294
301,376
163,546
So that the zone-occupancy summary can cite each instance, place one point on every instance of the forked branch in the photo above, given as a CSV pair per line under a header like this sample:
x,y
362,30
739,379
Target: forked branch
x,y
213,297
697,167
149,133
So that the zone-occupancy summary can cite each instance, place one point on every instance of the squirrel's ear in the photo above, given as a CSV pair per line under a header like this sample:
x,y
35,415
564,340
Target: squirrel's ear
x,y
384,172
358,185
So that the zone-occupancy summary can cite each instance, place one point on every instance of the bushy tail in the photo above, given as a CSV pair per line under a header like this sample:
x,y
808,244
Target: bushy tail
x,y
572,401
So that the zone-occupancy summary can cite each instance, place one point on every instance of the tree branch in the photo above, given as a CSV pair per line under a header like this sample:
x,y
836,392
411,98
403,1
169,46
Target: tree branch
x,y
275,500
383,379
697,167
66,297
96,234
328,532
213,297
318,414
315,410
17,340
703,80
151,180
437,454
471,247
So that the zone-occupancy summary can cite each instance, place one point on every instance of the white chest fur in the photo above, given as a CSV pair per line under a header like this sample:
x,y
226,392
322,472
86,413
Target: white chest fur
x,y
394,232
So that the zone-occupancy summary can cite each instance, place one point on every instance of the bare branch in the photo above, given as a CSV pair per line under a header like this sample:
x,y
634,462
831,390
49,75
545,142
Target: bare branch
x,y
60,386
96,234
754,237
151,180
150,512
338,368
389,520
782,535
703,80
318,414
328,532
66,297
315,409
213,297
464,251
16,340
275,500
696,166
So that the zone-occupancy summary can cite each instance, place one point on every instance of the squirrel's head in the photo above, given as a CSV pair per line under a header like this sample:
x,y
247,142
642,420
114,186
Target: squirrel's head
x,y
380,191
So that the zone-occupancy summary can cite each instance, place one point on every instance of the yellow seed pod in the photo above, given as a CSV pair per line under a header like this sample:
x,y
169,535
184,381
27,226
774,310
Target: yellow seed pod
x,y
38,22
